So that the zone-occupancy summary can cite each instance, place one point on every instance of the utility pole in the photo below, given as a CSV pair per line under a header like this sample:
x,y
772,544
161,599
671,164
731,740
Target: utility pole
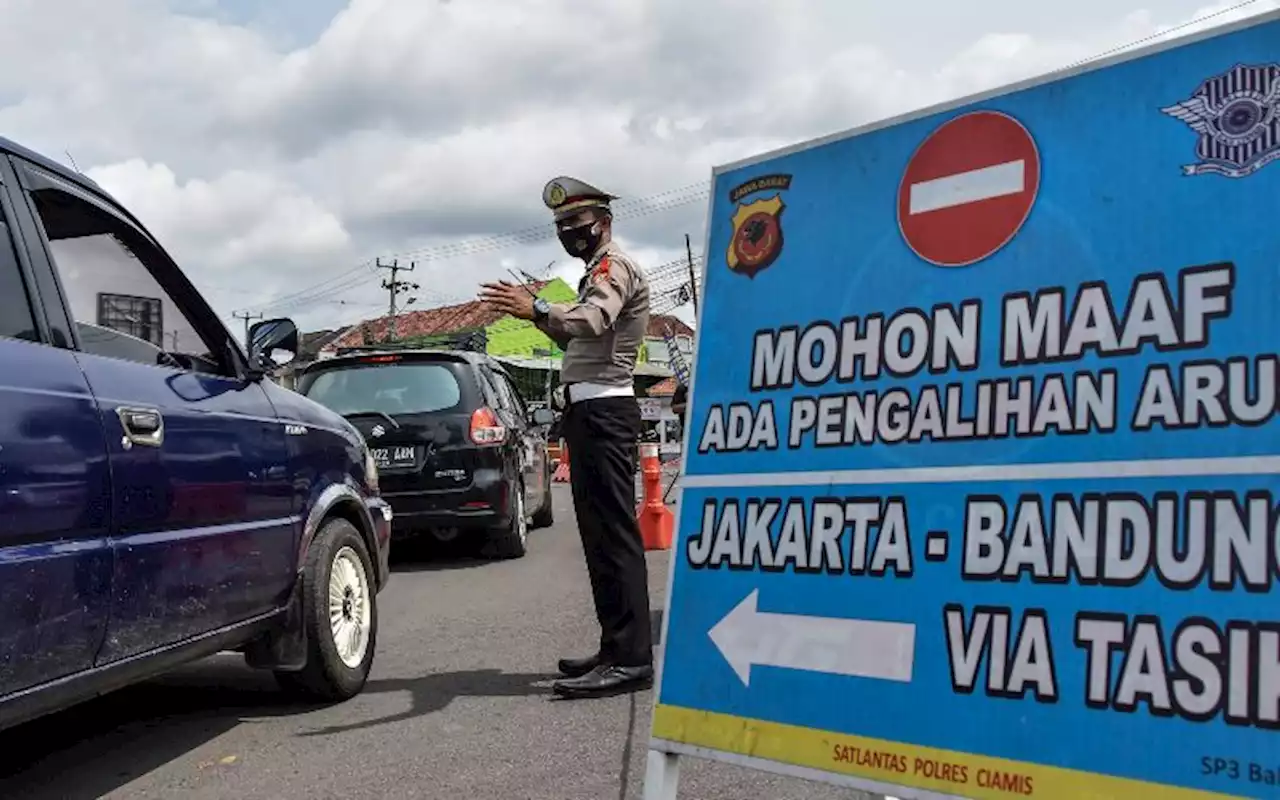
x,y
246,316
693,277
394,287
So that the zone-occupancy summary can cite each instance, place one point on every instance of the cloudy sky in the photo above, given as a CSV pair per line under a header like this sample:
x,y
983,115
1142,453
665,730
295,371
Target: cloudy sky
x,y
277,147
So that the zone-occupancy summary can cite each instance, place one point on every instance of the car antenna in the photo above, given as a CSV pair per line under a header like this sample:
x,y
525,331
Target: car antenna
x,y
72,159
521,283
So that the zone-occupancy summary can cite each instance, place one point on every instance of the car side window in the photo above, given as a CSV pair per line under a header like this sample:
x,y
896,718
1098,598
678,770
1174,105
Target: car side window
x,y
489,387
108,272
517,402
17,320
498,385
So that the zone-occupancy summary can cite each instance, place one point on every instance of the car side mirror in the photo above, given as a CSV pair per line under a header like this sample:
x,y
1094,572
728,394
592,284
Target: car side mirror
x,y
272,343
542,416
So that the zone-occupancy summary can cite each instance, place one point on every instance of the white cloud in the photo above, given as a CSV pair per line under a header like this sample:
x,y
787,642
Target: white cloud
x,y
239,219
268,168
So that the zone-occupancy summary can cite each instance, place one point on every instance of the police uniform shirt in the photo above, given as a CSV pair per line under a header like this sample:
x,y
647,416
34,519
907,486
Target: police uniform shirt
x,y
602,332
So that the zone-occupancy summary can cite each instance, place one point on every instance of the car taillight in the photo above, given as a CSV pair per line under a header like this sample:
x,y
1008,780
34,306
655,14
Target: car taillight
x,y
485,427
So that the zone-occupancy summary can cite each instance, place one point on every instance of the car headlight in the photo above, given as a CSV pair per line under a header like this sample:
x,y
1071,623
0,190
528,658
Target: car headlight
x,y
370,470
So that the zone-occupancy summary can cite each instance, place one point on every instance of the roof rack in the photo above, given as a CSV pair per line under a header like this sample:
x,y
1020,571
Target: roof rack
x,y
466,341
473,341
371,348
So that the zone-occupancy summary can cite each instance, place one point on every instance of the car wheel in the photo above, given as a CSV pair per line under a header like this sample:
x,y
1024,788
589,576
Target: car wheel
x,y
340,611
510,541
545,516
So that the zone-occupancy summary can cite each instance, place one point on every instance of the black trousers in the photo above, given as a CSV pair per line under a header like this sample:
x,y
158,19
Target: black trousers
x,y
601,435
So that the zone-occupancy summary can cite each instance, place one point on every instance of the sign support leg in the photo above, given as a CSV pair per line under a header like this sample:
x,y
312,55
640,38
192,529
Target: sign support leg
x,y
661,776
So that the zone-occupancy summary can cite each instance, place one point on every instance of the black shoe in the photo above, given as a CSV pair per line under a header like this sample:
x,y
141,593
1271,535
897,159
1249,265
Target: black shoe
x,y
577,667
604,681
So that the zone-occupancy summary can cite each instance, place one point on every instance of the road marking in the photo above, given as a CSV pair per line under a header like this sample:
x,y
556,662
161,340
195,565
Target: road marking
x,y
862,648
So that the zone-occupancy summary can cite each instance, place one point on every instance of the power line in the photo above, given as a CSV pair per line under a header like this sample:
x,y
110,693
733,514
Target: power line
x,y
1154,36
624,209
348,279
327,298
641,207
325,288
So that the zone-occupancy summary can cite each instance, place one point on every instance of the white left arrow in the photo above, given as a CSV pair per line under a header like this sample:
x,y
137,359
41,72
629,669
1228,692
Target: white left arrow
x,y
860,648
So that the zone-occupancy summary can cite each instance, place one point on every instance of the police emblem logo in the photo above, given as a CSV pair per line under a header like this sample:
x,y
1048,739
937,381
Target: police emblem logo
x,y
556,195
757,240
1237,117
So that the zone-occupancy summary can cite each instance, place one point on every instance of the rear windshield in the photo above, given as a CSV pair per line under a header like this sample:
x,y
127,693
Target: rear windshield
x,y
403,388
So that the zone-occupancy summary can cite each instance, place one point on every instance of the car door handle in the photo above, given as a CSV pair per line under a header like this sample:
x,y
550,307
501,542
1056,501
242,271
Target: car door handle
x,y
142,426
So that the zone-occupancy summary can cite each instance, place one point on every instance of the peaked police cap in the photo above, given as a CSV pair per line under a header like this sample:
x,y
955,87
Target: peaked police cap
x,y
566,196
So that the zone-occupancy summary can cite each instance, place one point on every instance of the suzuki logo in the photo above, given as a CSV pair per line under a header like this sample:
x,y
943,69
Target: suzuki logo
x,y
378,430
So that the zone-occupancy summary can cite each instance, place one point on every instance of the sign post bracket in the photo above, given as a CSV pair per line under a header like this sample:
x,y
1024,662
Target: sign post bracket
x,y
661,775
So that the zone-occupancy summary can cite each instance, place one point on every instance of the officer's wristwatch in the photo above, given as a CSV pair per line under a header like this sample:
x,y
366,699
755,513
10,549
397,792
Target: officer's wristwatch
x,y
541,308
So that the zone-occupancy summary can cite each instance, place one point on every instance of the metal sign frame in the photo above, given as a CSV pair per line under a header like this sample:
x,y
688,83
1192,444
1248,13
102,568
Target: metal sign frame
x,y
661,779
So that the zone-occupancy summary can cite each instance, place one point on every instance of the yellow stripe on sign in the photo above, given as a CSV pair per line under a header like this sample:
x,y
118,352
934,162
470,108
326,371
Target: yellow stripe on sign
x,y
942,771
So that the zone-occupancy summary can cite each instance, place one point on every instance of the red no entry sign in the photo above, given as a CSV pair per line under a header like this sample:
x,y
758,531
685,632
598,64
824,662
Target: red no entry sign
x,y
968,188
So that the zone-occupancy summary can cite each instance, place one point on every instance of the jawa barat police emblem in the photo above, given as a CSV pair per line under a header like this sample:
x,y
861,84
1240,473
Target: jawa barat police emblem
x,y
1238,119
757,225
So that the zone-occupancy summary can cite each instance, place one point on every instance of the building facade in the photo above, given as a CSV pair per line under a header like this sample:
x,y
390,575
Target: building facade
x,y
656,340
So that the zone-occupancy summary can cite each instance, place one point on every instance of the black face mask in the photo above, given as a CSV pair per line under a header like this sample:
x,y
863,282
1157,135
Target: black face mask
x,y
582,241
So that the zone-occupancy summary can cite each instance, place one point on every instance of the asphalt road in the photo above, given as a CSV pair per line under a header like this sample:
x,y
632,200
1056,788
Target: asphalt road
x,y
458,706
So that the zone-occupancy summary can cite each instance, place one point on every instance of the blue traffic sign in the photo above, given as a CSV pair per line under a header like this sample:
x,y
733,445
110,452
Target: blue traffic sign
x,y
980,492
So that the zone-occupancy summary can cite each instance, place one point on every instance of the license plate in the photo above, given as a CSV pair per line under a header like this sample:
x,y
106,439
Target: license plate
x,y
391,457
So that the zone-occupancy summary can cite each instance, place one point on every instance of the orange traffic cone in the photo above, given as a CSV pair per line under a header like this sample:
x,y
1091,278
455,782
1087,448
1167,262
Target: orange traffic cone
x,y
657,523
561,475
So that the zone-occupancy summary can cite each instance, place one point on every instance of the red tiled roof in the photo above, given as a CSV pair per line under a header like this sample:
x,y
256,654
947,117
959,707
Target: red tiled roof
x,y
658,322
467,316
663,388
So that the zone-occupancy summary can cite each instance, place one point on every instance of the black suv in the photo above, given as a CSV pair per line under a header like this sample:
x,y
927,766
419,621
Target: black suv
x,y
458,452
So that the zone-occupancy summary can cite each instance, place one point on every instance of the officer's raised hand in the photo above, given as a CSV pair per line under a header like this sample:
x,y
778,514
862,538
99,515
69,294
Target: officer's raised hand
x,y
509,299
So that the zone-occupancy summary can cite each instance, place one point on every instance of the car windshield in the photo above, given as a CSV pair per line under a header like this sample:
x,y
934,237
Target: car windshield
x,y
386,388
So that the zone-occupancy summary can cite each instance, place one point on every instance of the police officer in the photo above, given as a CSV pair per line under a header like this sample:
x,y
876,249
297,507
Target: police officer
x,y
601,334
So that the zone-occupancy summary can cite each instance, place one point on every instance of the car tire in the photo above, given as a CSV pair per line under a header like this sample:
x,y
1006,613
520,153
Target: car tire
x,y
337,577
511,540
545,516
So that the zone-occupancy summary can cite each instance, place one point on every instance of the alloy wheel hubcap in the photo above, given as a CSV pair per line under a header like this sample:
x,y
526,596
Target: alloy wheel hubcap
x,y
349,611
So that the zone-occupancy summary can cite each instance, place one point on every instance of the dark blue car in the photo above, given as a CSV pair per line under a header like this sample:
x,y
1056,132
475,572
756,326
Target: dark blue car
x,y
161,499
